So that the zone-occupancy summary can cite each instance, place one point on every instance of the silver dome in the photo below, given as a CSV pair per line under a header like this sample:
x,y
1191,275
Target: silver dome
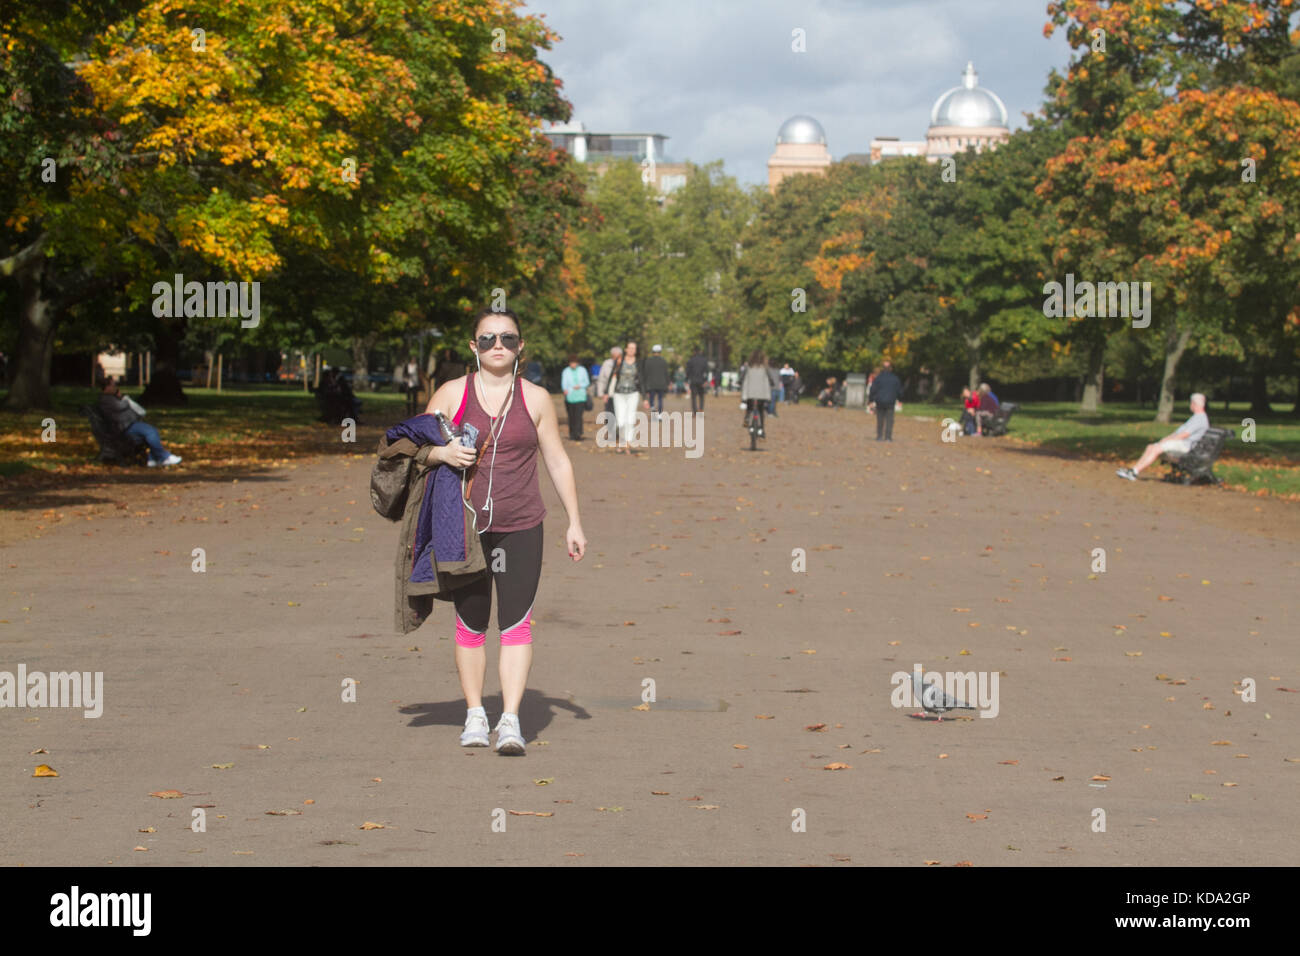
x,y
801,129
969,104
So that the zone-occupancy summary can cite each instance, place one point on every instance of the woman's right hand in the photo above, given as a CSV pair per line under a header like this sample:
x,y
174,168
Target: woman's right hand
x,y
455,454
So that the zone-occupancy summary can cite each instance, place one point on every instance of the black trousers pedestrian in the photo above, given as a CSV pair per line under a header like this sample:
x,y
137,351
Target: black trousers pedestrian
x,y
697,395
885,423
575,410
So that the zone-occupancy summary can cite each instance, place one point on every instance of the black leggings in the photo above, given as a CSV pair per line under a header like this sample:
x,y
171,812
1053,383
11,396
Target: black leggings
x,y
515,561
755,405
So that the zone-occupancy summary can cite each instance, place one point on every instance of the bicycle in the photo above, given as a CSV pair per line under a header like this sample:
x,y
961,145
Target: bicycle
x,y
754,426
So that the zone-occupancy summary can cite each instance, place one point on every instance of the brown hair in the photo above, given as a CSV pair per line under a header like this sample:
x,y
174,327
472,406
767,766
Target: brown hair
x,y
487,313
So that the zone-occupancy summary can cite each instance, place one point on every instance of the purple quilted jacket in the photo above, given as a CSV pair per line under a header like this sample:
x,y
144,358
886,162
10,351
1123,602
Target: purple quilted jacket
x,y
440,533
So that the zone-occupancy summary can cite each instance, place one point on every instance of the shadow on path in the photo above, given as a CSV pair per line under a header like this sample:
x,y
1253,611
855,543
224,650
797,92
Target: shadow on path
x,y
535,712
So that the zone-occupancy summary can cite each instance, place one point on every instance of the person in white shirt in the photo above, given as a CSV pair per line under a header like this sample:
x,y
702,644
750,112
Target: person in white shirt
x,y
1175,444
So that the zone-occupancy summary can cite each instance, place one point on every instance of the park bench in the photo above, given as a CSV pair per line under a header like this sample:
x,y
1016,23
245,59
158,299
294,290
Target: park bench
x,y
114,447
997,423
1197,466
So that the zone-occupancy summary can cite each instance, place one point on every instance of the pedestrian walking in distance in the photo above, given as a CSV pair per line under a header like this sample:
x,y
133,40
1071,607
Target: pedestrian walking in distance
x,y
574,382
885,392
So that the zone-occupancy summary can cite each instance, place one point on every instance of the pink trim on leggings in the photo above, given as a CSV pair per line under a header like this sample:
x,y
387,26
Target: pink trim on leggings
x,y
521,633
467,638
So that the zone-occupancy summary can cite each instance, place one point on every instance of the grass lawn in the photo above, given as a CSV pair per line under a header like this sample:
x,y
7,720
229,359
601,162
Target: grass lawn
x,y
1120,431
236,426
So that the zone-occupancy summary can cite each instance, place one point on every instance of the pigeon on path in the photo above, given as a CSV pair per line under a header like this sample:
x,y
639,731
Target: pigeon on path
x,y
934,700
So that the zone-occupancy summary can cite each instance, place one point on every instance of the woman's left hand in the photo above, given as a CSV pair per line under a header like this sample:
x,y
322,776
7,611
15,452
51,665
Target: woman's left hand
x,y
577,541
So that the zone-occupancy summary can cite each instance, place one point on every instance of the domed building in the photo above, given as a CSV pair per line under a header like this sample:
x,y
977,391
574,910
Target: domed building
x,y
966,115
800,148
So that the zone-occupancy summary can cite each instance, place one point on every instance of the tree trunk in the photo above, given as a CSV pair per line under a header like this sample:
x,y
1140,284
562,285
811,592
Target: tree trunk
x,y
165,389
361,346
1259,391
1295,409
30,380
973,361
1093,379
1175,346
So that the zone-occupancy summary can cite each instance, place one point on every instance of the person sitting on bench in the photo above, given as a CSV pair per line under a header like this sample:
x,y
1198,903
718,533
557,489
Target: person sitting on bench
x,y
128,418
826,397
988,408
1175,444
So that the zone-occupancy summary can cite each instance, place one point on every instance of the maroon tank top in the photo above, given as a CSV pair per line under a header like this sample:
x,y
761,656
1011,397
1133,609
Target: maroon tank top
x,y
516,497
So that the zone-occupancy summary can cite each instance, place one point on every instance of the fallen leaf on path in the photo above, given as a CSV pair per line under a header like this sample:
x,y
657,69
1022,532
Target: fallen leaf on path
x,y
531,813
283,813
167,794
1057,779
728,633
642,707
611,809
706,806
41,751
837,766
45,770
740,746
977,816
1197,796
1100,776
371,826
659,793
764,717
1010,763
1220,743
544,781
222,766
147,830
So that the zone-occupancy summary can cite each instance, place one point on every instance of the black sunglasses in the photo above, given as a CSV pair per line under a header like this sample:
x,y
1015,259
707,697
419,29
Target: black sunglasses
x,y
509,340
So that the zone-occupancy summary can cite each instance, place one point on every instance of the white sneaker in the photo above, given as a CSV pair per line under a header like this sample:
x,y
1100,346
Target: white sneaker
x,y
172,460
476,731
510,741
1128,473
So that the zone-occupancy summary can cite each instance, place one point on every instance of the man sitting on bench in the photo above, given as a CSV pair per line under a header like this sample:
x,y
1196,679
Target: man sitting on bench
x,y
1176,444
128,418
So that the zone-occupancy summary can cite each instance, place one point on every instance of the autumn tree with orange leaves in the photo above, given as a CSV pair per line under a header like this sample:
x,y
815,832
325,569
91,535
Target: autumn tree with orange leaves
x,y
360,158
1153,189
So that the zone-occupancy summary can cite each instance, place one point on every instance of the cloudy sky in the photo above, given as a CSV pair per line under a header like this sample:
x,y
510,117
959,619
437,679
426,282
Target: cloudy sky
x,y
718,77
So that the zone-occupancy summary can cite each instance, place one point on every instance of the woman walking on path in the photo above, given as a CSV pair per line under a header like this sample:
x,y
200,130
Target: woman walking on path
x,y
756,388
626,387
574,382
515,419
